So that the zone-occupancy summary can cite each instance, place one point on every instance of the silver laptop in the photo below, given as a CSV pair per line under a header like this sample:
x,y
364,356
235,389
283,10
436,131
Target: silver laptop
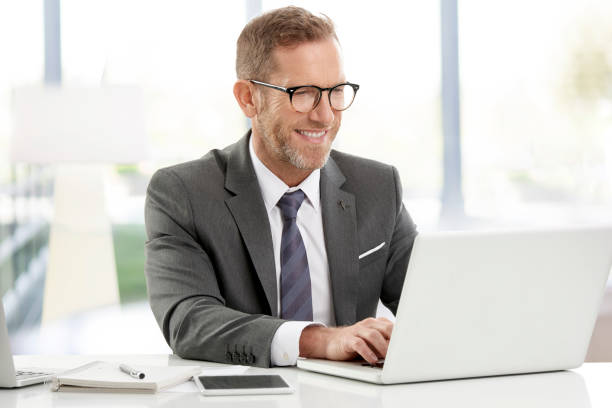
x,y
9,377
480,304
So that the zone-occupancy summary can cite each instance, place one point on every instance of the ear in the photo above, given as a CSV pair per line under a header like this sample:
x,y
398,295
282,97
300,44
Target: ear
x,y
243,92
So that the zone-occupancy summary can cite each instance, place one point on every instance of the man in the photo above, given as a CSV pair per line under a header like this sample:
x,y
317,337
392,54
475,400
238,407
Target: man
x,y
273,247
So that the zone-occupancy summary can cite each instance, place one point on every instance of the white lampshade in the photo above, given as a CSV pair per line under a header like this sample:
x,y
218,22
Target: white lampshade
x,y
60,124
82,131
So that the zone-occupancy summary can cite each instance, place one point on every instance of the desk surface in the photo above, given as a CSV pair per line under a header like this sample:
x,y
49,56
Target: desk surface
x,y
587,386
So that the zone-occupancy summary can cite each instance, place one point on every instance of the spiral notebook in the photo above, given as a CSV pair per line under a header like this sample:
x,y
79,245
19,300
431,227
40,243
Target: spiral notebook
x,y
100,376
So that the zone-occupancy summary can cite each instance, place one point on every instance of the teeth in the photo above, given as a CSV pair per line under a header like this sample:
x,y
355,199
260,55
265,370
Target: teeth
x,y
311,134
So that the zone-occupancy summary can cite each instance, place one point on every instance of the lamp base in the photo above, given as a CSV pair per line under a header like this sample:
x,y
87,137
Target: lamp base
x,y
81,272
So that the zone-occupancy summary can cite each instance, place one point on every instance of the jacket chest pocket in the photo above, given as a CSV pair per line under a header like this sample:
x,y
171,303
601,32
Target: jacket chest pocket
x,y
370,256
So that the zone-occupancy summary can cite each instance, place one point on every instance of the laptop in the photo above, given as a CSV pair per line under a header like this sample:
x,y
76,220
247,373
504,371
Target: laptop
x,y
9,377
477,304
560,389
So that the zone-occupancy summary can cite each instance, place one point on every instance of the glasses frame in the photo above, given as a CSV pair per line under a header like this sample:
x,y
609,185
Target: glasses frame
x,y
293,89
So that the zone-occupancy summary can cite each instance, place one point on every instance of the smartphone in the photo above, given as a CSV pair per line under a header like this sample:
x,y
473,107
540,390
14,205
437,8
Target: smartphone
x,y
242,384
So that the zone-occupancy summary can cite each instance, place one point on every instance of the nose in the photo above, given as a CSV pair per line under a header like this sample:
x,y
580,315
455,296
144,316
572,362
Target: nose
x,y
323,113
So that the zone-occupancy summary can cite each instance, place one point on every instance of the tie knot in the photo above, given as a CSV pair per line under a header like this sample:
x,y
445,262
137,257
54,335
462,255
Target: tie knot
x,y
290,203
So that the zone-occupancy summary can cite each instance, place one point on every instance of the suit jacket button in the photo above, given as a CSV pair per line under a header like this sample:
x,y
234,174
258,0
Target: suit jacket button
x,y
228,354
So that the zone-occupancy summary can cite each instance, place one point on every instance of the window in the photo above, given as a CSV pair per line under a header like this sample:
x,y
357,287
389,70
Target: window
x,y
536,89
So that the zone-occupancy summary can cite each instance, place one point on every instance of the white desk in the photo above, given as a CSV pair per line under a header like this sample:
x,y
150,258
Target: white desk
x,y
588,386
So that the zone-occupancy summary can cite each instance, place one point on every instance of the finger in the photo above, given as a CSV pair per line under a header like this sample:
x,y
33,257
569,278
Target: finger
x,y
384,326
359,346
376,341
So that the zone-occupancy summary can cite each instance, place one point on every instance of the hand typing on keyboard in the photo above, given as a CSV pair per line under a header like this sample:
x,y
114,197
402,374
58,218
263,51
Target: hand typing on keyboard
x,y
368,338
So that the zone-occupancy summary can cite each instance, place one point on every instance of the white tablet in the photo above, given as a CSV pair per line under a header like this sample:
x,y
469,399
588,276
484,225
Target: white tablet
x,y
242,384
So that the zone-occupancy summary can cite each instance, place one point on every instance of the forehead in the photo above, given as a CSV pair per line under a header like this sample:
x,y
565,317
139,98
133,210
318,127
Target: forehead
x,y
310,63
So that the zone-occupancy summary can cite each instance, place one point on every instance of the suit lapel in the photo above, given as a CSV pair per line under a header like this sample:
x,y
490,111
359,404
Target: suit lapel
x,y
340,228
249,212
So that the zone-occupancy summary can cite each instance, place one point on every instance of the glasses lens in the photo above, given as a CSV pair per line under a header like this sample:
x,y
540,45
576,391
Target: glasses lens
x,y
341,97
305,98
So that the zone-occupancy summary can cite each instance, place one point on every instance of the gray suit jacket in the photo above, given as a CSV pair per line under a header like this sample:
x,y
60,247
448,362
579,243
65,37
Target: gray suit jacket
x,y
209,260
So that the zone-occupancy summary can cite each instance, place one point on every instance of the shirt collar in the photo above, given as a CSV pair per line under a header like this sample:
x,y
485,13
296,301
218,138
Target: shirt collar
x,y
273,188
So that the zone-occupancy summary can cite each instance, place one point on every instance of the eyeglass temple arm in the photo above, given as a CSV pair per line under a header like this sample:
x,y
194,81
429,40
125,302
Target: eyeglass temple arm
x,y
280,88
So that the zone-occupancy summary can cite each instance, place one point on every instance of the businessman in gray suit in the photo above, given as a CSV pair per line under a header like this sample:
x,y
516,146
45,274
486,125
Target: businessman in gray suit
x,y
277,246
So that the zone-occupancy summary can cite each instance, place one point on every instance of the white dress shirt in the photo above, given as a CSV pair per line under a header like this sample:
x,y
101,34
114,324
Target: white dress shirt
x,y
285,344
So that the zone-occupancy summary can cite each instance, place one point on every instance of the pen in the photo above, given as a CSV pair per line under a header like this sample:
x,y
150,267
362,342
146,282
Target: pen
x,y
131,371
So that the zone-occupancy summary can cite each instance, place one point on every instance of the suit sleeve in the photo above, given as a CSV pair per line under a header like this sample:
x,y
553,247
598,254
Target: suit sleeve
x,y
402,240
183,291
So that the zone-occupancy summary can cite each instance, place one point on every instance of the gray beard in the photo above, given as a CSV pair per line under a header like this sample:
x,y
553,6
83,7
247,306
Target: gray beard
x,y
288,154
297,160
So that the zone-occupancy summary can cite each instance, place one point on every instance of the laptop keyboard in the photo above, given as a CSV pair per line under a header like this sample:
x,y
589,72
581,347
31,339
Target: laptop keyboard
x,y
23,375
379,364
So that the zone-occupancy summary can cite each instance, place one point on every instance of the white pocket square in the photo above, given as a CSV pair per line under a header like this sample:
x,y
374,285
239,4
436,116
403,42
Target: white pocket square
x,y
371,251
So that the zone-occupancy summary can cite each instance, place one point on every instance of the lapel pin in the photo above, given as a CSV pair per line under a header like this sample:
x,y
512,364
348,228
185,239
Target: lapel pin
x,y
343,205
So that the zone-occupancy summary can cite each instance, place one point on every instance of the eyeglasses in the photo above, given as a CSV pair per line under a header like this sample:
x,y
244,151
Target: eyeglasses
x,y
306,98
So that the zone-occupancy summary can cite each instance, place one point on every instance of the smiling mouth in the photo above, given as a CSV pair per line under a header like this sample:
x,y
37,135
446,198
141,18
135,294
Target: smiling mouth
x,y
313,134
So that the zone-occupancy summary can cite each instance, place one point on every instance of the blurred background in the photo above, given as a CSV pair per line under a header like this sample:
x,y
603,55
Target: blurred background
x,y
496,114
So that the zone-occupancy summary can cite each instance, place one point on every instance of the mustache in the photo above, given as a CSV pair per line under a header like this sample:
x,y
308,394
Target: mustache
x,y
317,126
315,129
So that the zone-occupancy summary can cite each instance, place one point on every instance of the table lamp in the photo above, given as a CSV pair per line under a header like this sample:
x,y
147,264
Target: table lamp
x,y
80,130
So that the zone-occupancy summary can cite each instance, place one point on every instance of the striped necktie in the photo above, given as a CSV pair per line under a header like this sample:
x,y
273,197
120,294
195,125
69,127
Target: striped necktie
x,y
296,295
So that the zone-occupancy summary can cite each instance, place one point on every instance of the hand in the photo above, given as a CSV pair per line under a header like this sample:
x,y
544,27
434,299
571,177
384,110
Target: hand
x,y
368,338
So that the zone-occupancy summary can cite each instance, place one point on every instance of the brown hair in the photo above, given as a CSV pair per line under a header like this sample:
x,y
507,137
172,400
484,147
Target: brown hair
x,y
284,27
